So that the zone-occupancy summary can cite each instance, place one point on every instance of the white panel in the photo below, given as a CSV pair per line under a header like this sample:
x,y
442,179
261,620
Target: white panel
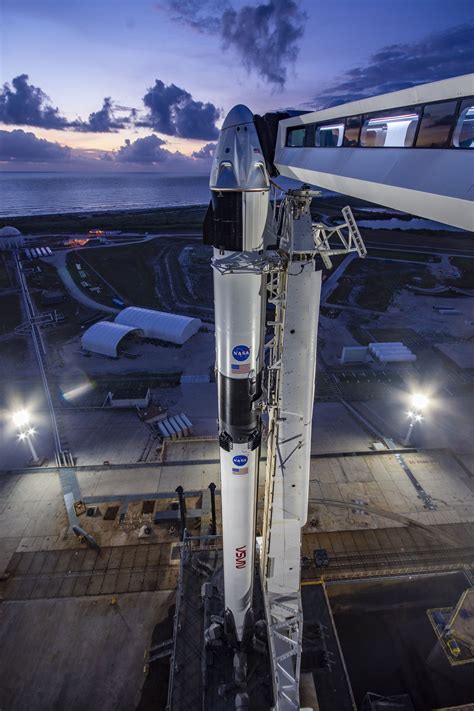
x,y
456,87
254,216
238,315
238,492
383,189
293,449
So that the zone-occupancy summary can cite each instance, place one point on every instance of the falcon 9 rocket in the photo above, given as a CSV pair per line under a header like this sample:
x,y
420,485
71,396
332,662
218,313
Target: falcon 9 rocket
x,y
235,225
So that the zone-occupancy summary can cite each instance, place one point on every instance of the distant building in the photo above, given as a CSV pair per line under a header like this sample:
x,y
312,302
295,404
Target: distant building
x,y
130,397
160,325
10,238
105,337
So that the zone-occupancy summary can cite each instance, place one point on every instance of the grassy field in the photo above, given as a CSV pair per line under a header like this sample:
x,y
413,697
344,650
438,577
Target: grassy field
x,y
4,279
86,275
10,312
128,270
341,293
372,285
186,218
14,349
405,256
466,267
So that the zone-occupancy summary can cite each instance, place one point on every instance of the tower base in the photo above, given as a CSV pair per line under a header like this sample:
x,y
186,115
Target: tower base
x,y
207,670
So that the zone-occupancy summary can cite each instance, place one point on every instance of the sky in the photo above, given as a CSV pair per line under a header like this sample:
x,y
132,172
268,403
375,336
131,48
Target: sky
x,y
143,85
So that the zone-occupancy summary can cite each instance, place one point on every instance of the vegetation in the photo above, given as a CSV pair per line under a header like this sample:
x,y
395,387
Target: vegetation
x,y
466,268
4,278
341,293
186,218
86,275
128,270
10,312
372,285
14,350
405,256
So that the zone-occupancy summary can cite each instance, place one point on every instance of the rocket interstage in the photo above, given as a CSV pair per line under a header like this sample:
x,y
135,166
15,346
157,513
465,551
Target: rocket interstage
x,y
235,225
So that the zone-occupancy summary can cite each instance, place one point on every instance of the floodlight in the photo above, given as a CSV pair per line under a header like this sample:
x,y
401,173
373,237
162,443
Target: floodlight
x,y
419,401
21,418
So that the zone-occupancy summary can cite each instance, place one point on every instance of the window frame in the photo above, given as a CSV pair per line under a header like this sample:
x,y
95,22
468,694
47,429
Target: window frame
x,y
291,129
458,115
454,120
310,128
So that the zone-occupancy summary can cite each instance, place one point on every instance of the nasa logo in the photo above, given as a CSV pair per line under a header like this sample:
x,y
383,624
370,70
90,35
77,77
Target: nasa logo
x,y
241,353
240,460
241,557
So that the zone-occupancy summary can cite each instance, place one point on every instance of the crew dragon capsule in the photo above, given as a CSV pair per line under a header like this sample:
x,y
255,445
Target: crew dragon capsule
x,y
235,225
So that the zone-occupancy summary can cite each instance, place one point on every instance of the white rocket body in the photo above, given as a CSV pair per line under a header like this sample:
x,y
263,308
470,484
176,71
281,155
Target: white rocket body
x,y
235,225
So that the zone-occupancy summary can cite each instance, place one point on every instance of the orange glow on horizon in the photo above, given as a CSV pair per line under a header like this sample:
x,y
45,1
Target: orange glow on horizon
x,y
104,142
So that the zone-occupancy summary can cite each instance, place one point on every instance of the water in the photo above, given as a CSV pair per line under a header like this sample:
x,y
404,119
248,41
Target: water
x,y
56,193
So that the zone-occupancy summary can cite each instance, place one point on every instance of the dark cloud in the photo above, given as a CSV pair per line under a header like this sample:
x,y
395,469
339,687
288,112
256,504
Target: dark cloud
x,y
146,150
204,16
104,120
173,111
19,145
205,153
23,104
26,105
400,66
264,35
151,151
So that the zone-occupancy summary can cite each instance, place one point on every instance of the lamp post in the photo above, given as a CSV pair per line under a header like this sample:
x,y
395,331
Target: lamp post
x,y
419,402
27,435
21,419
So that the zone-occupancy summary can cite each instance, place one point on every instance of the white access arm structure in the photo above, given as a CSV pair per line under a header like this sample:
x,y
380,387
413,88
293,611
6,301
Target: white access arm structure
x,y
410,150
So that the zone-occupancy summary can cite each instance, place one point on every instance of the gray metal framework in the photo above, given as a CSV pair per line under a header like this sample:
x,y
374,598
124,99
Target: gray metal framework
x,y
300,241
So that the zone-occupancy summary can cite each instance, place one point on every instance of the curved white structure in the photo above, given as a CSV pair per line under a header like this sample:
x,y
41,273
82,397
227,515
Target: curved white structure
x,y
104,337
410,150
159,324
10,238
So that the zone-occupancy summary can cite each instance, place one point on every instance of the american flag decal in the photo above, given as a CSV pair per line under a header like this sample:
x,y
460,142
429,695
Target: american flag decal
x,y
240,471
240,367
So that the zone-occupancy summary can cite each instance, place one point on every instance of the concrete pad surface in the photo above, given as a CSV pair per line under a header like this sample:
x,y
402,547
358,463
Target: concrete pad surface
x,y
77,653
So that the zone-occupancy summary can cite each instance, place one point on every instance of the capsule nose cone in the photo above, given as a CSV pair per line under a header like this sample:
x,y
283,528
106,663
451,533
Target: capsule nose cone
x,y
238,115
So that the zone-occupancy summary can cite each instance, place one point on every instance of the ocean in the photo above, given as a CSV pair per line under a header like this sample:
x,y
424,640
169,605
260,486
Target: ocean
x,y
56,193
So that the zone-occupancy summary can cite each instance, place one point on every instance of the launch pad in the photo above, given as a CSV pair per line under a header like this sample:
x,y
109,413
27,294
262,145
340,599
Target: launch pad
x,y
202,670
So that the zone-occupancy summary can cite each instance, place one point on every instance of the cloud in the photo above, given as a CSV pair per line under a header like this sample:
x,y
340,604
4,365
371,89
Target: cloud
x,y
19,145
104,120
265,35
174,112
26,105
145,150
23,104
170,110
204,16
399,66
205,153
151,151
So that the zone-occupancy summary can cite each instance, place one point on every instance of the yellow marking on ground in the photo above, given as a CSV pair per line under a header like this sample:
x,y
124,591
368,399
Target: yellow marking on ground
x,y
312,582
